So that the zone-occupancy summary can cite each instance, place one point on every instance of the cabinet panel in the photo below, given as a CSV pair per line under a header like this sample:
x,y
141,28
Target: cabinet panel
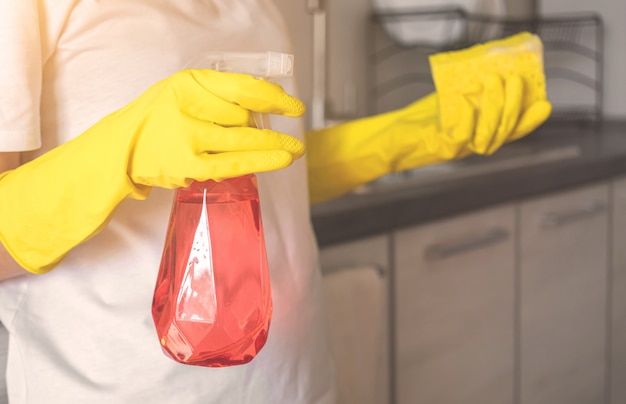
x,y
356,301
618,294
454,285
563,268
367,251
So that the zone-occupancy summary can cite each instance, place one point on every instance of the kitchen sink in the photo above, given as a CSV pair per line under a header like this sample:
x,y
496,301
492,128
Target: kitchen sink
x,y
512,156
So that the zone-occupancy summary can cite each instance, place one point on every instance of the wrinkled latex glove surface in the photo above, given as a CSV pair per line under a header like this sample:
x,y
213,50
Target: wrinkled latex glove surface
x,y
194,125
500,98
476,75
198,125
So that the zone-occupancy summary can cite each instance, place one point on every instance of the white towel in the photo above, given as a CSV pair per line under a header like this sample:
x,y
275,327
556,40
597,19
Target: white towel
x,y
356,312
434,29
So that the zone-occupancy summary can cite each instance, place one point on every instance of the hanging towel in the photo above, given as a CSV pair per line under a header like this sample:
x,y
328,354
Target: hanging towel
x,y
356,313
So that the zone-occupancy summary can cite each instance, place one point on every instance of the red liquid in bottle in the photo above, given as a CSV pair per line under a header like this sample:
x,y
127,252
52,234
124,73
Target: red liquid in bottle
x,y
212,301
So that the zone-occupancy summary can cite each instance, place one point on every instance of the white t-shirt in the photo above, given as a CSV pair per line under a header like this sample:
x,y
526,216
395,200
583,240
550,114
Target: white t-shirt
x,y
84,332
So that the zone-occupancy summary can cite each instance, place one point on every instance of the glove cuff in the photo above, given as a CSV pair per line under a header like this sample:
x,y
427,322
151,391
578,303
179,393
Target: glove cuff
x,y
57,201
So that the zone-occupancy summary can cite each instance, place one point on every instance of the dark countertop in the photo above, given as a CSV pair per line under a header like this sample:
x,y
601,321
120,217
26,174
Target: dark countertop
x,y
595,152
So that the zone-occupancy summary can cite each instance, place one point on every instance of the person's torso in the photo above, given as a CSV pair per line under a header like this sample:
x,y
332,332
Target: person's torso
x,y
84,333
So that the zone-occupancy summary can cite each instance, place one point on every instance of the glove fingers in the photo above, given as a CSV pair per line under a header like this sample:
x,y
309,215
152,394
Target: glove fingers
x,y
215,166
513,94
249,93
195,100
216,139
206,106
534,116
490,114
233,164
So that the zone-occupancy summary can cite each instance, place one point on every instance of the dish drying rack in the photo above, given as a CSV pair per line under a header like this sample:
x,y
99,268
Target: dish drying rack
x,y
401,40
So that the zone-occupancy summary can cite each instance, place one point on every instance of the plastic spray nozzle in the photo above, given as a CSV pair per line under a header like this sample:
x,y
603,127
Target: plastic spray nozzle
x,y
261,64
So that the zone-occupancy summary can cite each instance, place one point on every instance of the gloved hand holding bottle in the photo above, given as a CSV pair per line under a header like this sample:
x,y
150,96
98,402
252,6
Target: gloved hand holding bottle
x,y
212,303
194,125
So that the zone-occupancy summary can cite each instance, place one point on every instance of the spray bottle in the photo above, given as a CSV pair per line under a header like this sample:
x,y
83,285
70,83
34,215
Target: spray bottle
x,y
212,301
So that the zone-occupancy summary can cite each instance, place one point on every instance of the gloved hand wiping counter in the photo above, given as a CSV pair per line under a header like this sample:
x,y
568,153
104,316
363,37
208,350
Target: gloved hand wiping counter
x,y
485,96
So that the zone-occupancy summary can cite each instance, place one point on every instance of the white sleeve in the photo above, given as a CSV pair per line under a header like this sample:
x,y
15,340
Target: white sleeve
x,y
20,75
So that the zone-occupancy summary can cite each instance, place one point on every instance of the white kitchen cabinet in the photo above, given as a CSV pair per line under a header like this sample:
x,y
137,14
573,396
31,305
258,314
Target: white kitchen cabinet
x,y
356,284
618,294
563,280
366,251
454,302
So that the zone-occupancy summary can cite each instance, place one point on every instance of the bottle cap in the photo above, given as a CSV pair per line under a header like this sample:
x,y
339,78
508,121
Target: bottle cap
x,y
261,64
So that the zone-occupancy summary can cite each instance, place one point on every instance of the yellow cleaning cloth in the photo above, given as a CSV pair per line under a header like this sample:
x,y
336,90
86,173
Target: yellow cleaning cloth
x,y
461,72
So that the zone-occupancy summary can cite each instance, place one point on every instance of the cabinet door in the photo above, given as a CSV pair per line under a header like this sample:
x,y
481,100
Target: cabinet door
x,y
366,251
361,348
618,294
563,270
454,302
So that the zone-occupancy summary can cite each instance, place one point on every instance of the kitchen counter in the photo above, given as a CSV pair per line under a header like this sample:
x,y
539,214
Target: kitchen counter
x,y
556,156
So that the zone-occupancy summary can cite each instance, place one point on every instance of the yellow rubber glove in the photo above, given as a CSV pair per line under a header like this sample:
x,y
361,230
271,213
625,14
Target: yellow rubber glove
x,y
194,125
458,76
487,111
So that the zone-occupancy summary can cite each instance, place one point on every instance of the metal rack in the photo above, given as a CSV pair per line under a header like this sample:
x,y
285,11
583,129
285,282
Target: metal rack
x,y
398,70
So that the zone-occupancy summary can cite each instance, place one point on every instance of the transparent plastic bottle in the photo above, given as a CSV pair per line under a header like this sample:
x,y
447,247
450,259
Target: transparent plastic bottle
x,y
212,302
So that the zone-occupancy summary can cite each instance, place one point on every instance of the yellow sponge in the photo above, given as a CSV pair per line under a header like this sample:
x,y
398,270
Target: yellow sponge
x,y
461,72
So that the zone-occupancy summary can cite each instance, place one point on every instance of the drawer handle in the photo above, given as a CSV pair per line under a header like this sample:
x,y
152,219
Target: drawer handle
x,y
439,252
380,270
557,219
